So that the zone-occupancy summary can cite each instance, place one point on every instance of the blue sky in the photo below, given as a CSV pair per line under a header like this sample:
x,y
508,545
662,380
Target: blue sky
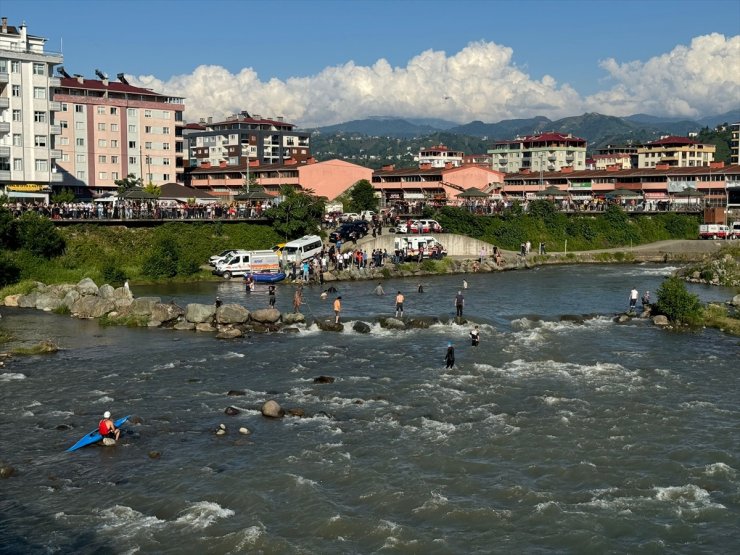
x,y
554,51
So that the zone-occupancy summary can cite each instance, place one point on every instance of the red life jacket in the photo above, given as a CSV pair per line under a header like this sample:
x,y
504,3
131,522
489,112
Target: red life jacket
x,y
103,428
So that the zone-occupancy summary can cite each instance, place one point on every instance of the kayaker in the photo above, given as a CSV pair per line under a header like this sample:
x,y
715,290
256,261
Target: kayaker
x,y
107,428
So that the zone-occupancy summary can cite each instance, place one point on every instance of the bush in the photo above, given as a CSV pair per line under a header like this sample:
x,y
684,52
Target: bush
x,y
9,272
113,275
39,236
675,302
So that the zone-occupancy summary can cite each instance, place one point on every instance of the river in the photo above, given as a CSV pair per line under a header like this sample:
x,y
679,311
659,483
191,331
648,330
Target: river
x,y
550,437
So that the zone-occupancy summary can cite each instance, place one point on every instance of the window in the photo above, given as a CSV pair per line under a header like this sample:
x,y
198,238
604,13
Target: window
x,y
5,164
79,108
114,175
131,112
63,141
132,144
17,116
39,117
165,161
39,69
114,159
101,127
15,66
102,175
165,114
39,140
39,93
65,157
101,110
165,146
65,107
80,125
165,130
133,160
18,164
132,128
148,145
102,143
81,175
80,158
113,111
114,143
165,177
148,129
114,127
147,113
102,159
16,90
80,142
17,139
63,124
42,165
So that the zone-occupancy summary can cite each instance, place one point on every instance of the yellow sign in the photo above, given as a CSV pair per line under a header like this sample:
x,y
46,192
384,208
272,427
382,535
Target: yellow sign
x,y
25,188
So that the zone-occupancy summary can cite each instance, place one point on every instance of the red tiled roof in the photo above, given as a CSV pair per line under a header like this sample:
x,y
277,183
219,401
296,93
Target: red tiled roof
x,y
673,140
252,120
195,126
638,172
114,86
551,137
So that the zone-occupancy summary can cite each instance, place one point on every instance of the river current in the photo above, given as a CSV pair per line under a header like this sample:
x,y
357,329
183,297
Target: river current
x,y
550,437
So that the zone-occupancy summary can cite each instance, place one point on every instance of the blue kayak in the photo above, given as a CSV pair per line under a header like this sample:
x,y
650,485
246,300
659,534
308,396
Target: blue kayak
x,y
95,436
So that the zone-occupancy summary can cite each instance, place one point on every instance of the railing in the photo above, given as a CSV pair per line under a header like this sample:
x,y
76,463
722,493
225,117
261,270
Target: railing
x,y
4,127
4,103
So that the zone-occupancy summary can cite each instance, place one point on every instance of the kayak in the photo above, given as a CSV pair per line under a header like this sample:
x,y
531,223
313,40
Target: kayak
x,y
95,436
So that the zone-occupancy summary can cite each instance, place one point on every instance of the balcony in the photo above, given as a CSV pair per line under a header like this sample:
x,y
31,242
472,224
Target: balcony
x,y
4,103
55,129
4,152
4,127
4,175
57,177
55,153
552,158
55,106
4,78
55,82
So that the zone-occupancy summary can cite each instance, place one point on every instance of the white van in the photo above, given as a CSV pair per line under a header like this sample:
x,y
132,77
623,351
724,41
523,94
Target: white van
x,y
248,262
302,249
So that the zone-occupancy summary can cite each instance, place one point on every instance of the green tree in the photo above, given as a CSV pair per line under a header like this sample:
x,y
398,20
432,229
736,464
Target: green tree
x,y
675,302
249,184
299,213
39,236
128,183
362,196
8,229
162,262
153,189
9,272
65,195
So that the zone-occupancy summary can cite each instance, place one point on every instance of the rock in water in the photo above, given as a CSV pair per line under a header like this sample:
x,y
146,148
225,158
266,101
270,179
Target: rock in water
x,y
244,431
323,379
361,327
236,392
6,471
109,441
272,409
232,411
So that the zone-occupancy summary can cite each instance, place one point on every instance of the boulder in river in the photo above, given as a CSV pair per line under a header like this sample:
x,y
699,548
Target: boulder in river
x,y
293,318
236,392
329,325
323,379
86,286
361,327
232,411
392,324
166,312
661,320
6,471
199,313
232,314
229,333
272,409
265,315
89,306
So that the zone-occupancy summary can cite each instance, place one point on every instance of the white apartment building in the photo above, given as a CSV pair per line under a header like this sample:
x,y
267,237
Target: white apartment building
x,y
27,112
539,153
735,144
110,129
440,157
675,152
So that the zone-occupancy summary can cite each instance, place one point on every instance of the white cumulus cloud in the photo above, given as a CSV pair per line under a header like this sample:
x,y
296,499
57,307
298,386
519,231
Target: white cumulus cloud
x,y
480,82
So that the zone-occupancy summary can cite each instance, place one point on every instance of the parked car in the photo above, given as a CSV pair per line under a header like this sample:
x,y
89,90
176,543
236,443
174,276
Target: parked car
x,y
345,231
419,226
349,217
216,258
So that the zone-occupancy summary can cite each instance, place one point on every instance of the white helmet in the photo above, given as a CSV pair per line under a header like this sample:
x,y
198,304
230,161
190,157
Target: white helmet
x,y
106,414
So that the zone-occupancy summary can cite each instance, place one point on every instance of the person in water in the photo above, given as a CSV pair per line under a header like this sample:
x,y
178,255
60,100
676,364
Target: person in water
x,y
271,295
399,305
420,289
298,299
459,304
337,308
475,337
379,290
450,356
107,428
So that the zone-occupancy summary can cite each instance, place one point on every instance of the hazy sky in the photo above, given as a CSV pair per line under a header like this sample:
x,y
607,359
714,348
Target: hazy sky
x,y
323,62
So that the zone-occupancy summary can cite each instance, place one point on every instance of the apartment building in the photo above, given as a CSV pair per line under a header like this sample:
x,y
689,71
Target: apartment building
x,y
735,144
440,157
27,112
110,129
243,138
539,153
675,152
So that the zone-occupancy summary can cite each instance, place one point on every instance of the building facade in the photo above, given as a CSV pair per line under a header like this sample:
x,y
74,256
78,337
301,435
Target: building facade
x,y
243,138
540,153
27,113
735,144
111,129
439,157
675,152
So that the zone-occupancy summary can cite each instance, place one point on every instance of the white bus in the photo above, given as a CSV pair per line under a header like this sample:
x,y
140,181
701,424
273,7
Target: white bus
x,y
302,249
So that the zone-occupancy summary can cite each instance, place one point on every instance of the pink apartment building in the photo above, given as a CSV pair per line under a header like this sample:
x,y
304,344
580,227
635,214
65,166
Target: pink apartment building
x,y
112,129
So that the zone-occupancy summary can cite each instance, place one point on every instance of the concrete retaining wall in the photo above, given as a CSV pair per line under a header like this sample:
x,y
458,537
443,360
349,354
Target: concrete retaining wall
x,y
456,245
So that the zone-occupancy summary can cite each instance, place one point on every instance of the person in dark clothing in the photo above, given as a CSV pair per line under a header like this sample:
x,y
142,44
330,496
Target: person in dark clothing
x,y
271,295
459,304
450,356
